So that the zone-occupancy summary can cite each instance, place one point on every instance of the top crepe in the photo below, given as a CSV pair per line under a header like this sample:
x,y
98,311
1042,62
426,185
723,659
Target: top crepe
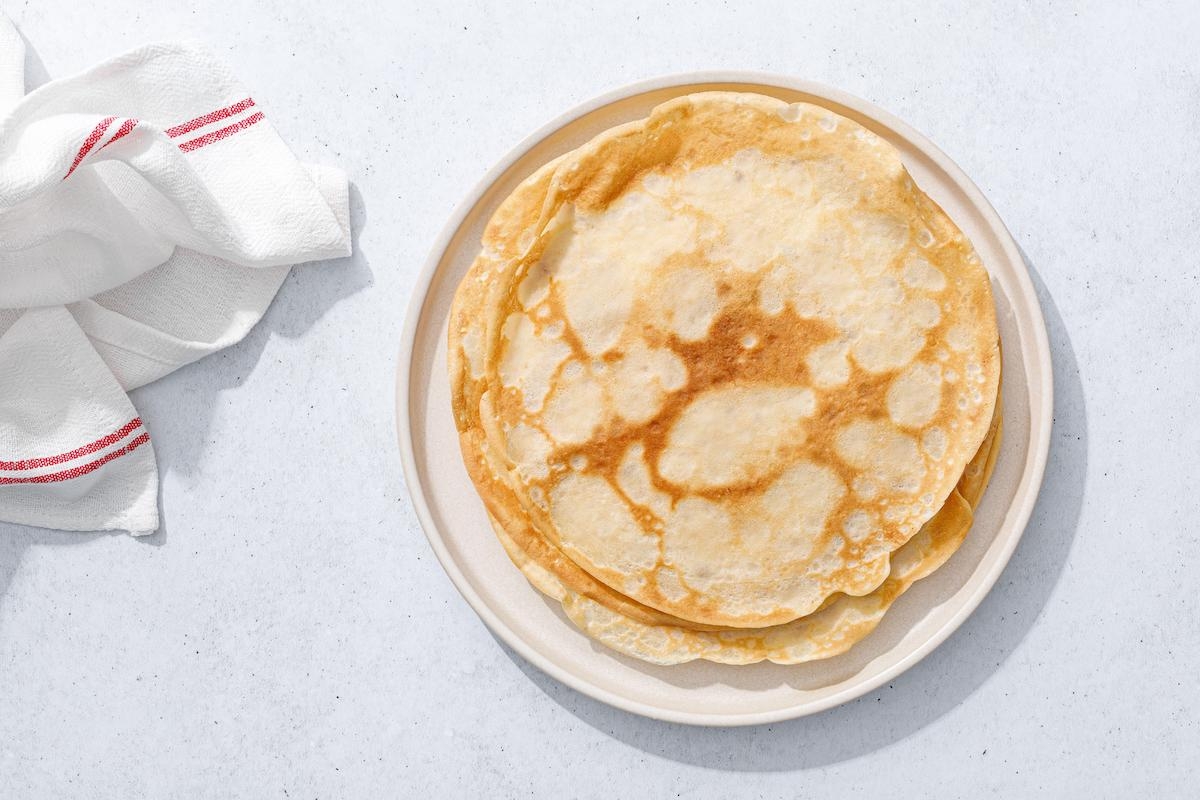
x,y
723,360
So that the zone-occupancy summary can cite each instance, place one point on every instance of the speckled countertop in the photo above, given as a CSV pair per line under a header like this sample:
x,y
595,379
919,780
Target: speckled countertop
x,y
289,633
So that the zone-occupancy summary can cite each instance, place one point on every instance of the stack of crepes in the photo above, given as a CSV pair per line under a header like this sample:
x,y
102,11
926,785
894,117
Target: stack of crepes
x,y
727,381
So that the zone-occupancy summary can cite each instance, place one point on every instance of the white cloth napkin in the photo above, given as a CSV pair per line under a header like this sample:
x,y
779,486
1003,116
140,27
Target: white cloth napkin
x,y
148,214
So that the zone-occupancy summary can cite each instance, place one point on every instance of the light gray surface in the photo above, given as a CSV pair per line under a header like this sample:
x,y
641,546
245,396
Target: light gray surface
x,y
289,634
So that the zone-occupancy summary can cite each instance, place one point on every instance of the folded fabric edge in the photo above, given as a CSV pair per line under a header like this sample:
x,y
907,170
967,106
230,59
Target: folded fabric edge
x,y
12,74
142,54
334,186
139,354
79,458
132,522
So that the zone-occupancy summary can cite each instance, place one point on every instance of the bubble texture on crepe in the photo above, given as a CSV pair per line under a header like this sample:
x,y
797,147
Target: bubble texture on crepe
x,y
831,630
716,366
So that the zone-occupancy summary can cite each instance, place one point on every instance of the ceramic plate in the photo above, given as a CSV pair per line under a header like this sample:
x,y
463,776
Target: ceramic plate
x,y
702,692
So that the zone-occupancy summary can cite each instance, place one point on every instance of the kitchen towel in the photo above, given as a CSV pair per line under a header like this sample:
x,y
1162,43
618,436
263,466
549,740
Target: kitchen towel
x,y
149,212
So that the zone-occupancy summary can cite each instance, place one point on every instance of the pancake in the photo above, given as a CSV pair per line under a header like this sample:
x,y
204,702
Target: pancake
x,y
715,366
828,632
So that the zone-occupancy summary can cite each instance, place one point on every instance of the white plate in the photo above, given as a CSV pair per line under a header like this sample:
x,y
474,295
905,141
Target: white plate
x,y
701,692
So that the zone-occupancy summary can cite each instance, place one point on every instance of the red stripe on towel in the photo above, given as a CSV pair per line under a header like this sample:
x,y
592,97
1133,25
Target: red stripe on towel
x,y
218,135
210,117
99,444
123,131
89,143
75,472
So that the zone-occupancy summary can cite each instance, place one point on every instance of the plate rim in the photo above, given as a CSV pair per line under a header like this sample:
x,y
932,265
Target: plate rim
x,y
1041,413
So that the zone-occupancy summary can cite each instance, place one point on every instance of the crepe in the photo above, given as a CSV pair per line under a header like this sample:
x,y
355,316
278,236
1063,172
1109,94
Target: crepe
x,y
715,366
830,631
